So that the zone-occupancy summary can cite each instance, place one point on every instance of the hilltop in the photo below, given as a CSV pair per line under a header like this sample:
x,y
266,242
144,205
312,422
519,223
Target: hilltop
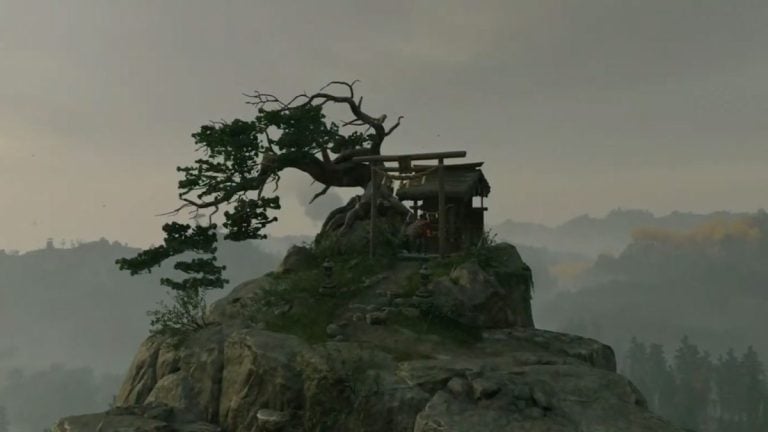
x,y
376,345
591,236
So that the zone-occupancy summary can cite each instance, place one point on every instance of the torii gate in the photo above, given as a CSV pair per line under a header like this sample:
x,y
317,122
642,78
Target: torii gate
x,y
404,166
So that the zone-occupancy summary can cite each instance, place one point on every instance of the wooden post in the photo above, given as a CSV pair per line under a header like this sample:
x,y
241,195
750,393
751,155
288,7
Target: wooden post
x,y
373,208
401,159
442,214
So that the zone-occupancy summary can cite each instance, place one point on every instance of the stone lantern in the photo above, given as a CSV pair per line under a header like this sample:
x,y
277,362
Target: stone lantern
x,y
328,284
425,277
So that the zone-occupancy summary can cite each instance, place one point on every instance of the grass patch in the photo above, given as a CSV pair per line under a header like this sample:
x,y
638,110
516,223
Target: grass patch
x,y
443,327
307,323
311,312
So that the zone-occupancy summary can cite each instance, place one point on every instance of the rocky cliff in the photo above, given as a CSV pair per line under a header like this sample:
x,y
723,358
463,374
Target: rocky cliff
x,y
376,347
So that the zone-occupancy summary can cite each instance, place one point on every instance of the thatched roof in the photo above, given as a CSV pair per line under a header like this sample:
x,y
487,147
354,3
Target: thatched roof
x,y
461,181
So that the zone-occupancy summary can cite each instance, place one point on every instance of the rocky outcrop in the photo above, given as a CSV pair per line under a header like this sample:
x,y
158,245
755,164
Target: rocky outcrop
x,y
401,373
474,297
298,258
245,379
150,417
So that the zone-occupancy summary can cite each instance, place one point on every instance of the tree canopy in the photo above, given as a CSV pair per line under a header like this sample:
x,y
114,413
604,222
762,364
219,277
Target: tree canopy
x,y
239,172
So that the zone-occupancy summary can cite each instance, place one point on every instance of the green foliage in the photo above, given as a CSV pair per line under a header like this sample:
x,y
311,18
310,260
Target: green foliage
x,y
179,238
185,315
310,312
432,322
238,157
692,369
753,400
483,252
684,392
491,256
303,129
187,312
249,218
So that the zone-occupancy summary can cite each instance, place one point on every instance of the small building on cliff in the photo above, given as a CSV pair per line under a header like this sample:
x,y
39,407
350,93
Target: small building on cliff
x,y
465,188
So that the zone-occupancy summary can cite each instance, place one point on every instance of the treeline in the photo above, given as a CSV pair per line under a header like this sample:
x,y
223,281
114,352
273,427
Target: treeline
x,y
695,391
593,236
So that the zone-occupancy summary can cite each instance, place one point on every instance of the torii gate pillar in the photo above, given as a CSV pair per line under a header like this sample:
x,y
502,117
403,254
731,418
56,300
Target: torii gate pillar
x,y
404,162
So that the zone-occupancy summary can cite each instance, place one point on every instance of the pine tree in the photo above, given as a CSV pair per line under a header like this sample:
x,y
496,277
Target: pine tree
x,y
754,395
635,365
728,384
693,372
661,381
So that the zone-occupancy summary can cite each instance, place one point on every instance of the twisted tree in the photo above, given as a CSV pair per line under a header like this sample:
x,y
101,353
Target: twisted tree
x,y
240,173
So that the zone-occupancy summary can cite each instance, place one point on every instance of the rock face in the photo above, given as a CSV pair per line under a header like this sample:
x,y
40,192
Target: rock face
x,y
141,418
400,375
298,258
475,298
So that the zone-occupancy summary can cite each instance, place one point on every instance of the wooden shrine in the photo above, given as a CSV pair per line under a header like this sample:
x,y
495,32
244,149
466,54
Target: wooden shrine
x,y
443,195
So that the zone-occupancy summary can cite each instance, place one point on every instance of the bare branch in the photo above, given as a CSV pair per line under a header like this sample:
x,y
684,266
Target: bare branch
x,y
355,122
353,153
394,126
350,86
326,156
175,211
340,171
265,100
319,194
210,216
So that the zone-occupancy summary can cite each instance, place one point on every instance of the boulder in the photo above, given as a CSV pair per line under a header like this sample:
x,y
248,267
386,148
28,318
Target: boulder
x,y
355,241
514,379
332,330
110,423
272,420
376,318
244,302
297,259
474,297
543,398
149,418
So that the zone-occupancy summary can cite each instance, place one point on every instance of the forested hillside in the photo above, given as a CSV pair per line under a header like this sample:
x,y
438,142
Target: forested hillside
x,y
73,306
592,236
699,390
708,283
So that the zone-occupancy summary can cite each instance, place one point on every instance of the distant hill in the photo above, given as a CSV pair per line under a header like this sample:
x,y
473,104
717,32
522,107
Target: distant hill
x,y
593,236
73,306
710,283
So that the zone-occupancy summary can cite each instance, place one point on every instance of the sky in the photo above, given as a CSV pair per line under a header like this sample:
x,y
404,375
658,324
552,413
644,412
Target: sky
x,y
576,107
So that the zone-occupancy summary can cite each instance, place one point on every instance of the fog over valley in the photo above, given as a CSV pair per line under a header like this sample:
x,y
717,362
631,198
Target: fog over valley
x,y
587,177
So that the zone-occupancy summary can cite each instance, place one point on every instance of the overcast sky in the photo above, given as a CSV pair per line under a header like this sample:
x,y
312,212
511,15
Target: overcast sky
x,y
576,106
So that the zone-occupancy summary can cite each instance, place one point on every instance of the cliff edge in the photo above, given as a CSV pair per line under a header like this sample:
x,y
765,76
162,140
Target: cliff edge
x,y
376,346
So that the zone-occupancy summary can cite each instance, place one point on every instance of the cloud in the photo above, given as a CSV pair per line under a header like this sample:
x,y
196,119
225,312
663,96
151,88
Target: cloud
x,y
321,207
555,96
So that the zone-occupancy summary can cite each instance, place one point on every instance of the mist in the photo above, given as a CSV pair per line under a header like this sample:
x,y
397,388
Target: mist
x,y
625,145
